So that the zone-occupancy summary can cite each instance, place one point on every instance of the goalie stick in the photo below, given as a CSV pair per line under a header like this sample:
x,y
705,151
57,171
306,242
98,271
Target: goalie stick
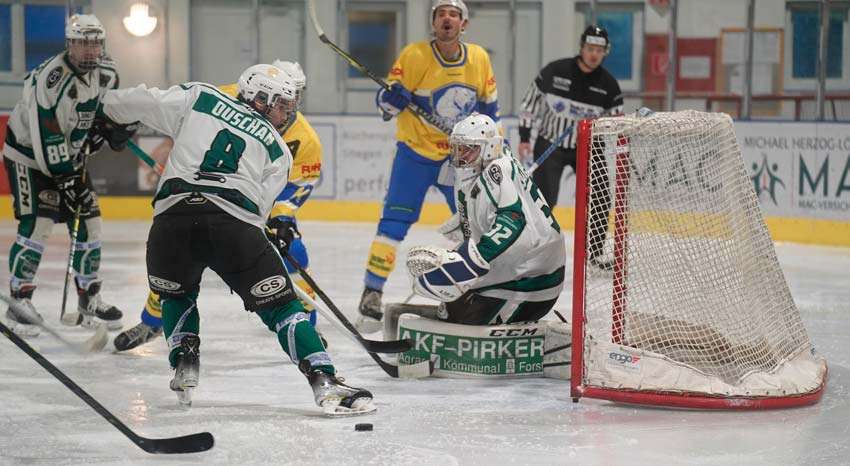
x,y
193,443
429,117
92,345
413,371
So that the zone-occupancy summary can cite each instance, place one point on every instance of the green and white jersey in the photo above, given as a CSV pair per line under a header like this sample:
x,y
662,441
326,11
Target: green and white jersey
x,y
49,125
223,149
503,213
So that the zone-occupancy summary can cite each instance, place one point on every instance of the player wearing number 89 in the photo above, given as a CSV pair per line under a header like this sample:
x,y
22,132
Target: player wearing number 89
x,y
44,162
508,265
226,168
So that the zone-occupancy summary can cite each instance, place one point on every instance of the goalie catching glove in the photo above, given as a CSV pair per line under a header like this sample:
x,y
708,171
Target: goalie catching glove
x,y
443,274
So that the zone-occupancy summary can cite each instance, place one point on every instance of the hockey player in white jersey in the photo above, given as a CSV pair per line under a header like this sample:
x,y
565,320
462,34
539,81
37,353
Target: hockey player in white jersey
x,y
43,156
226,168
509,264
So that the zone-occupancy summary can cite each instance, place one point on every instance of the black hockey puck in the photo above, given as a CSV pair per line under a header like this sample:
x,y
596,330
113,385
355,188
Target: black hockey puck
x,y
364,427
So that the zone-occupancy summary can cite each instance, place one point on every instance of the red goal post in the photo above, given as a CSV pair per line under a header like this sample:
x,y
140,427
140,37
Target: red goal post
x,y
696,312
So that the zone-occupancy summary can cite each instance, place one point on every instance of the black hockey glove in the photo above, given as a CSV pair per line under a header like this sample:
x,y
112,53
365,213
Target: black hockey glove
x,y
117,135
93,143
74,191
282,232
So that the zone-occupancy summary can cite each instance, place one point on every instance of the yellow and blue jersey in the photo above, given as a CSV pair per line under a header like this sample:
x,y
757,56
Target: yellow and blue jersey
x,y
450,90
306,148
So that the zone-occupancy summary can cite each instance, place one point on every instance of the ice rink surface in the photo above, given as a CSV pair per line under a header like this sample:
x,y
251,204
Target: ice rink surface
x,y
261,409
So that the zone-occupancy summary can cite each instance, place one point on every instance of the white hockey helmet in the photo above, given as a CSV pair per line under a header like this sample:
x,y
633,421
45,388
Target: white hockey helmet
x,y
475,142
269,85
87,30
294,70
464,11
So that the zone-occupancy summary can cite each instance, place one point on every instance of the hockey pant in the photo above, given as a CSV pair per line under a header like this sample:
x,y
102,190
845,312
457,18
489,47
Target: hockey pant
x,y
410,178
152,311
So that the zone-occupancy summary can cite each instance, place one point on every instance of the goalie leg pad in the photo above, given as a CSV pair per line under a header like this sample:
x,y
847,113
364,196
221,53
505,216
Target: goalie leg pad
x,y
462,351
393,311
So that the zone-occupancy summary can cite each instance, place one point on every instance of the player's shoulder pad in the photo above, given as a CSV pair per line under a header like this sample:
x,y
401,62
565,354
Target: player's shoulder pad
x,y
108,73
475,51
52,77
416,50
497,172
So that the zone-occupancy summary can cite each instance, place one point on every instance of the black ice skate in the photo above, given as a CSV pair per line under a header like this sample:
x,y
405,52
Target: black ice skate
x,y
338,399
22,325
369,320
186,372
136,336
93,310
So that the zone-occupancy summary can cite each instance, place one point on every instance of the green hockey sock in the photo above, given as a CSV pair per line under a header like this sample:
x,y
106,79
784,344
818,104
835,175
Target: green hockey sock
x,y
296,336
179,318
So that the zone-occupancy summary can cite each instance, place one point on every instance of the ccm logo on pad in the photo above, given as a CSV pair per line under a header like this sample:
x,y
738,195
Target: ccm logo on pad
x,y
269,286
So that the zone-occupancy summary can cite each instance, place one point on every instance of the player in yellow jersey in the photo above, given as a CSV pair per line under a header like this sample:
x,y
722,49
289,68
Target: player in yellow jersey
x,y
450,79
306,149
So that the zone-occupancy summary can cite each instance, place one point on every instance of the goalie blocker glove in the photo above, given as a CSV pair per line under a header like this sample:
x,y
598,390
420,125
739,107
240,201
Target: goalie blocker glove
x,y
445,275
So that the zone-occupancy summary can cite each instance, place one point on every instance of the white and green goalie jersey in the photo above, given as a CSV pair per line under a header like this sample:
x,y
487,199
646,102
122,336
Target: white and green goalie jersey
x,y
49,125
223,149
504,214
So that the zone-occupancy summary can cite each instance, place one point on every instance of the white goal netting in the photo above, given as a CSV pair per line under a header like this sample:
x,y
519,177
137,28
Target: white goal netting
x,y
694,300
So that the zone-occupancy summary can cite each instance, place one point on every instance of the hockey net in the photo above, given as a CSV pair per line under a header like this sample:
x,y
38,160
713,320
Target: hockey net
x,y
693,309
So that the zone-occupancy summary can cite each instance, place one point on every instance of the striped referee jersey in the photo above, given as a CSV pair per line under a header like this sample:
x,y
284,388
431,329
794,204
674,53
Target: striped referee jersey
x,y
562,95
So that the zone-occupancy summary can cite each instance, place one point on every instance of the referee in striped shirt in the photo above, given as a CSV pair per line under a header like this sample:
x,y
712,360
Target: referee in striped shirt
x,y
565,92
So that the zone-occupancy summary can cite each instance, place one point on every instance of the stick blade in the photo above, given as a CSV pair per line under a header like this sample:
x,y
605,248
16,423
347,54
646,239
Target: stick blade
x,y
387,347
194,443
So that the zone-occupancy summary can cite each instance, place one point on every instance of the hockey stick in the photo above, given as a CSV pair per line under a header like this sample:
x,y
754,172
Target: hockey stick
x,y
73,318
421,369
95,343
372,346
147,159
545,155
186,444
429,117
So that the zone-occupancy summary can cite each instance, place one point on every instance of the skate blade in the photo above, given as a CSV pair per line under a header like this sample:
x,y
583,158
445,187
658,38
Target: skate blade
x,y
184,397
367,324
359,409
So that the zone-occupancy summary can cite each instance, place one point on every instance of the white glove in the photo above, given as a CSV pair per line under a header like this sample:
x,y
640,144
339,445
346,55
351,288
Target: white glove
x,y
443,274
